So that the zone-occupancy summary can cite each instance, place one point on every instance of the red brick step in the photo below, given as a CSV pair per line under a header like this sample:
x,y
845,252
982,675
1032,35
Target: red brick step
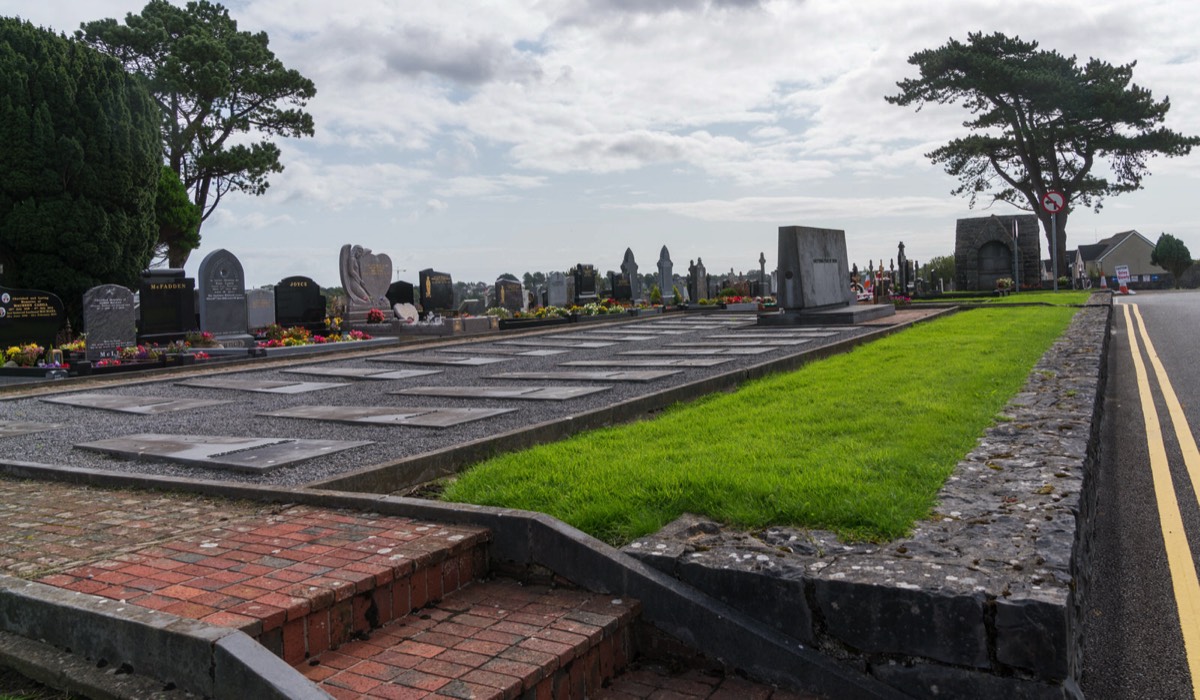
x,y
494,639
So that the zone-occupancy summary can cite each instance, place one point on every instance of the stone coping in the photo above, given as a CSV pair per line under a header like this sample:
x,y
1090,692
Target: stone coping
x,y
984,596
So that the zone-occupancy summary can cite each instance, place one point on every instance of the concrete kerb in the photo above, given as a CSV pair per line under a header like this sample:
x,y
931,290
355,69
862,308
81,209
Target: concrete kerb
x,y
197,657
409,471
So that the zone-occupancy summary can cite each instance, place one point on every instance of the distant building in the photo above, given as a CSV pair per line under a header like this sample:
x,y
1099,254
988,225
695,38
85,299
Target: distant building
x,y
1128,248
983,251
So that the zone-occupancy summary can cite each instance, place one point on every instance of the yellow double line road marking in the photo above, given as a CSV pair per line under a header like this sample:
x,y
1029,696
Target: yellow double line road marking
x,y
1179,554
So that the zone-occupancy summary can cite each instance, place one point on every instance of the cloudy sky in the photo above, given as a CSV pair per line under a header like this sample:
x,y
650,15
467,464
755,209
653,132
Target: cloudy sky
x,y
479,138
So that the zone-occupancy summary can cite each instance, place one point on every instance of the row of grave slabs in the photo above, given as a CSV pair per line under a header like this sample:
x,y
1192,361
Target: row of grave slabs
x,y
480,372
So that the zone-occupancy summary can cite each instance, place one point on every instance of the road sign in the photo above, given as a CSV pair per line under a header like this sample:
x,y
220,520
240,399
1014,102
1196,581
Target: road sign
x,y
1053,201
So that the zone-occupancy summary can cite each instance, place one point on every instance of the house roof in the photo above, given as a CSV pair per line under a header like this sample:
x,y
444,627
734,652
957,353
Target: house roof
x,y
1098,251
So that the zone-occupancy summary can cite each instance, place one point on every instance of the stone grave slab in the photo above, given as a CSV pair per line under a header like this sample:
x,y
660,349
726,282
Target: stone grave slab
x,y
514,352
362,372
770,336
689,351
260,386
144,405
650,362
13,428
533,393
548,343
599,376
390,415
439,360
606,337
244,454
779,342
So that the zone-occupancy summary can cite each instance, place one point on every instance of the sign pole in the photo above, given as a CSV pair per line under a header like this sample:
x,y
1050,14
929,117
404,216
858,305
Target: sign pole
x,y
1016,262
1054,249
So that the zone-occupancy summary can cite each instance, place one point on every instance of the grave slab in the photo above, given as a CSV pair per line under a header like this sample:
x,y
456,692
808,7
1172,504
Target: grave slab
x,y
389,415
778,342
514,352
531,393
260,386
604,337
689,351
777,335
614,376
362,372
244,454
659,362
144,405
547,343
439,360
13,428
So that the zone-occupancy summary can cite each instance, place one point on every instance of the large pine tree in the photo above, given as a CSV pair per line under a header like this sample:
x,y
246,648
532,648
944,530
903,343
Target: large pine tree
x,y
79,166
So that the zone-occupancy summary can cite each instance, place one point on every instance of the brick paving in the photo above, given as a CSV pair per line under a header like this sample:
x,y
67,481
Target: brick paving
x,y
497,639
319,586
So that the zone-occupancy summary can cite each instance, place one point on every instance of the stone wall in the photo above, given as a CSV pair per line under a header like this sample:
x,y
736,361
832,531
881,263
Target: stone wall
x,y
972,234
985,598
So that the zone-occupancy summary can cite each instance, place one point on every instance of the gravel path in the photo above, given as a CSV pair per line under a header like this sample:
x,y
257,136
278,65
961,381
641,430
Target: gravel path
x,y
241,416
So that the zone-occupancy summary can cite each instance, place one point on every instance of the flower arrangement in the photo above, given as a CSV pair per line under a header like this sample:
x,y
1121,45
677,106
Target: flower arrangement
x,y
901,300
499,312
200,339
598,308
708,302
375,316
139,352
77,345
334,324
279,337
23,355
1004,283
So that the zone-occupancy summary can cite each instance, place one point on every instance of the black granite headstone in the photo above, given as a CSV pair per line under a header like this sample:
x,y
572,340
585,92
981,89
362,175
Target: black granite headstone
x,y
299,302
622,288
401,292
167,301
508,295
585,284
29,316
437,291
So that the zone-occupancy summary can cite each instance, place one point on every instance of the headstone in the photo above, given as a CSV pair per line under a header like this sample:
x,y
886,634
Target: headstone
x,y
260,308
472,307
365,277
697,281
29,316
556,290
223,299
401,292
299,302
437,291
585,284
903,279
166,302
814,280
666,276
509,295
629,270
110,320
622,289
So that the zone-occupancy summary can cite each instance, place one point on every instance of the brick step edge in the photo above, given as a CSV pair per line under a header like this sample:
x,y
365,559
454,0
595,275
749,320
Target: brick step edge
x,y
371,600
493,639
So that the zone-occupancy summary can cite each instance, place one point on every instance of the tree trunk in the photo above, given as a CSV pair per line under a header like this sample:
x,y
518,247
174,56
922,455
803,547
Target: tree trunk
x,y
1060,227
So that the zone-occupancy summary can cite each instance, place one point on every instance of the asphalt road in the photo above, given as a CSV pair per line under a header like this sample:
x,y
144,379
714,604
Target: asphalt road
x,y
1145,599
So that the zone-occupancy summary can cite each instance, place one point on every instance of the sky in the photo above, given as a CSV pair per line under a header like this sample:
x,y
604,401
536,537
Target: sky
x,y
480,138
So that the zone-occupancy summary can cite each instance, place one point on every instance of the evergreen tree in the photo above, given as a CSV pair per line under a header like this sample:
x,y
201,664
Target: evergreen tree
x,y
1172,255
1042,122
79,164
218,88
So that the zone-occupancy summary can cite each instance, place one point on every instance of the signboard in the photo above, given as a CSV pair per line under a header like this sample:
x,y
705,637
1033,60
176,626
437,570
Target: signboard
x,y
1123,275
1053,201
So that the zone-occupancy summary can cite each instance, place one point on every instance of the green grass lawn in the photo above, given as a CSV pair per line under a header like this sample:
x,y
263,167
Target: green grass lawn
x,y
1069,297
859,443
